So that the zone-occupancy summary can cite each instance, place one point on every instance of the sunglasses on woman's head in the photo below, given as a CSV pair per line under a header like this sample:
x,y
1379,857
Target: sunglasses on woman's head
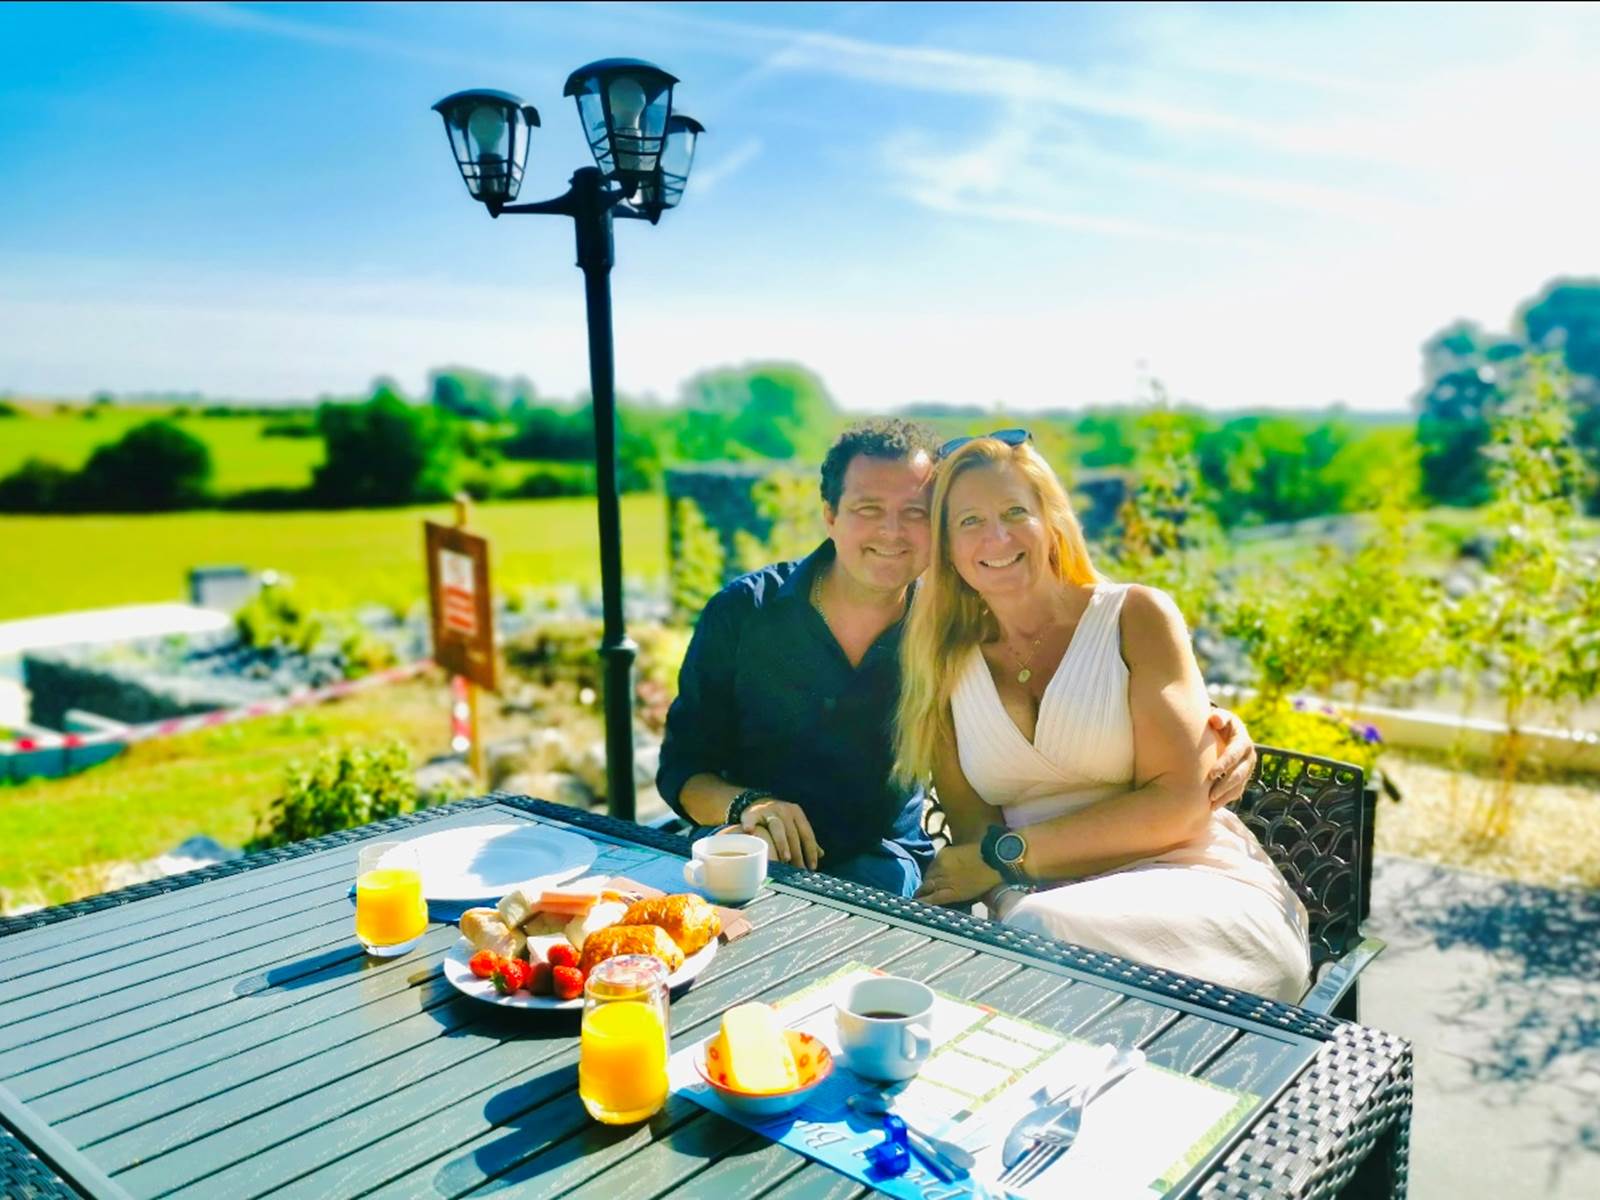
x,y
1011,437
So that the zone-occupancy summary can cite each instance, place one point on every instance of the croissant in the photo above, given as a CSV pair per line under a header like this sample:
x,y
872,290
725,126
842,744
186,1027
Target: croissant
x,y
688,920
615,940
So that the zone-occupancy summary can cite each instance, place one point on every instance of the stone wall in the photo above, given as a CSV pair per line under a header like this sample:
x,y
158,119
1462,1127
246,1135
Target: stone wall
x,y
724,493
126,691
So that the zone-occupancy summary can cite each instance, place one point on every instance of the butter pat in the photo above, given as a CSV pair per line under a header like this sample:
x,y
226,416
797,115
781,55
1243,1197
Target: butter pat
x,y
759,1058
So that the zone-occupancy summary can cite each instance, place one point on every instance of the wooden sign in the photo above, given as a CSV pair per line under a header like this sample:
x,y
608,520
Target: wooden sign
x,y
458,594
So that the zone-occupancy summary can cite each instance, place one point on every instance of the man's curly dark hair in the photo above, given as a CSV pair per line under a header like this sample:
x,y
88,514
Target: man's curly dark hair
x,y
892,438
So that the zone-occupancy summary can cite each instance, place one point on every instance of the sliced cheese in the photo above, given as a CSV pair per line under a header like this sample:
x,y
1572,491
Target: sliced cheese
x,y
758,1055
607,912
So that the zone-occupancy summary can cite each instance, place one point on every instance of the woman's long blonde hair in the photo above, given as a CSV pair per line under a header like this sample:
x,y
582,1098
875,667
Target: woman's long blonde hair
x,y
947,616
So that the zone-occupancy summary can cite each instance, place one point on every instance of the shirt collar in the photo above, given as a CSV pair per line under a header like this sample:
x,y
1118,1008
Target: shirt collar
x,y
798,585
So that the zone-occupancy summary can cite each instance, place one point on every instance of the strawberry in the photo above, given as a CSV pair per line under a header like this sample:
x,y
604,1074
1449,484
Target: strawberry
x,y
482,963
567,982
511,975
561,956
539,983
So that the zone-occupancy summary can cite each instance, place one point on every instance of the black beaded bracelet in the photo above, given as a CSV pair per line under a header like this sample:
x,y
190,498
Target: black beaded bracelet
x,y
743,801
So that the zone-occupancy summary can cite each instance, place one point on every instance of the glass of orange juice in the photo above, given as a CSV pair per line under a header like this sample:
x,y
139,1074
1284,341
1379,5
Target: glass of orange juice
x,y
391,915
622,1049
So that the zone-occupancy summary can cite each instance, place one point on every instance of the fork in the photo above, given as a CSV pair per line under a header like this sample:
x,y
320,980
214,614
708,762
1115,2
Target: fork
x,y
1054,1139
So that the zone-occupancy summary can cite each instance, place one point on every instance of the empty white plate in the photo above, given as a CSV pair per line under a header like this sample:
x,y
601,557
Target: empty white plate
x,y
484,862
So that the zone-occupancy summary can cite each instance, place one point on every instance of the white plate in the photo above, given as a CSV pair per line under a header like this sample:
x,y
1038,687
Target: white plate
x,y
484,862
460,974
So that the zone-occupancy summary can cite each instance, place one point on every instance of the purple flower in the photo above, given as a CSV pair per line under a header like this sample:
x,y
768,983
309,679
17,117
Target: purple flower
x,y
1371,734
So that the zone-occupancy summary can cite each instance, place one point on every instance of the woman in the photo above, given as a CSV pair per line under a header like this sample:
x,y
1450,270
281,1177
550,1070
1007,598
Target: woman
x,y
1063,721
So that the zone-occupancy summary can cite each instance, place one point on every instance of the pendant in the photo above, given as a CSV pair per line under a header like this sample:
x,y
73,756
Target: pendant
x,y
1024,675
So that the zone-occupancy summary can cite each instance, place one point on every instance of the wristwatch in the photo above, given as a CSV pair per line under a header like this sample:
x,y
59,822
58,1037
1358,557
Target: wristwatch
x,y
743,801
1003,849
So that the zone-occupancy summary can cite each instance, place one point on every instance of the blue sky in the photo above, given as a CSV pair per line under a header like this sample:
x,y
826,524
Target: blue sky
x,y
1020,204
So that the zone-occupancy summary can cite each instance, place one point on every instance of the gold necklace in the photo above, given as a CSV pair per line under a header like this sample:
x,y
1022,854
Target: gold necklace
x,y
816,600
1026,664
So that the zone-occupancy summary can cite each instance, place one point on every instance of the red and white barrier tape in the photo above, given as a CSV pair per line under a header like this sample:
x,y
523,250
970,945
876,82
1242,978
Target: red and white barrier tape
x,y
222,716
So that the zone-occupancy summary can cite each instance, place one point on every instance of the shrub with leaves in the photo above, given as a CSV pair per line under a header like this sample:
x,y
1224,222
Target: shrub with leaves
x,y
341,788
1533,624
696,562
1170,539
1321,732
275,617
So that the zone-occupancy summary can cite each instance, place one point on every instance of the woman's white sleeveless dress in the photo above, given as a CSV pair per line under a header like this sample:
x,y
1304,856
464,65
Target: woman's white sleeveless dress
x,y
1216,908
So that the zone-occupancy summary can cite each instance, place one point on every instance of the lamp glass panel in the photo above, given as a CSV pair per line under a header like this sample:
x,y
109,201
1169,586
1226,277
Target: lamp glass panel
x,y
592,115
678,154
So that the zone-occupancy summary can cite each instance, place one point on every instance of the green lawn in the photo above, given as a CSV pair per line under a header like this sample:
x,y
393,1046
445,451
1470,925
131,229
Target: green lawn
x,y
215,782
240,456
337,559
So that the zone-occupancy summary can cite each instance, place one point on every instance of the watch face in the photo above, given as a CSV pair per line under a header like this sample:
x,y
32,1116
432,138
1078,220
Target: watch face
x,y
1009,847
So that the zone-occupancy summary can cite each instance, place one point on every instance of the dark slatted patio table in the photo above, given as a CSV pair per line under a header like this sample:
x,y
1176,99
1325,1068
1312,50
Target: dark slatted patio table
x,y
219,1034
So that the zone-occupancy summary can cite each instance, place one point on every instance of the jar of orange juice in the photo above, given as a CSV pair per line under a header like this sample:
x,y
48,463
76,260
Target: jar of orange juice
x,y
622,1049
391,915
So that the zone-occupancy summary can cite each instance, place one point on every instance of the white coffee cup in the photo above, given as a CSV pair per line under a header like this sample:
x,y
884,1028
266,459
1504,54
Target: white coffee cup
x,y
884,1025
728,866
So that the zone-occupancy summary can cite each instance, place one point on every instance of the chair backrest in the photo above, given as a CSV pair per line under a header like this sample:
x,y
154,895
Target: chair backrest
x,y
1314,816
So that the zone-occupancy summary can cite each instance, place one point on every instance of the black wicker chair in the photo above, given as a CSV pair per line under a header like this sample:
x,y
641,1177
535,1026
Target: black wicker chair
x,y
1315,817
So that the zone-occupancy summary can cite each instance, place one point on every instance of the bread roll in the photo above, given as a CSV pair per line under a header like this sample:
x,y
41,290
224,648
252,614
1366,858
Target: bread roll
x,y
688,920
486,931
615,940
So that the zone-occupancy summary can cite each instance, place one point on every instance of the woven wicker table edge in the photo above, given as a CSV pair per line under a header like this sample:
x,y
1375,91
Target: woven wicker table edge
x,y
24,1176
1353,1096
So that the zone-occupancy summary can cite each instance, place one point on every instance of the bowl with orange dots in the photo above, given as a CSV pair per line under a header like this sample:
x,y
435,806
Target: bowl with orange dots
x,y
812,1059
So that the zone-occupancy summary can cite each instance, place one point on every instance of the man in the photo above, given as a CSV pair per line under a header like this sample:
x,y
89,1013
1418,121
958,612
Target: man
x,y
782,725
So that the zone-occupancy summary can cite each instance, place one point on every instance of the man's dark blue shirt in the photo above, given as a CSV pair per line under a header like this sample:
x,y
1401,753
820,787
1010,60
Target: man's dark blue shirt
x,y
767,699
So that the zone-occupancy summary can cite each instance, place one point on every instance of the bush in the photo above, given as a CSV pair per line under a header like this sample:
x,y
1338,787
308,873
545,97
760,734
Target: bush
x,y
275,617
154,467
8,409
36,487
1320,732
290,427
364,653
566,653
697,561
341,788
557,479
383,452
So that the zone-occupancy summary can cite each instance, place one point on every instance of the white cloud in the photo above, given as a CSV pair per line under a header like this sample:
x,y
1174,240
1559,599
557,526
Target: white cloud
x,y
707,176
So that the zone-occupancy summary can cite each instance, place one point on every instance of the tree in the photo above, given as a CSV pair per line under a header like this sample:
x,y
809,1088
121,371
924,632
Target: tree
x,y
1530,626
154,467
771,410
36,486
383,452
697,560
474,395
1566,316
1168,534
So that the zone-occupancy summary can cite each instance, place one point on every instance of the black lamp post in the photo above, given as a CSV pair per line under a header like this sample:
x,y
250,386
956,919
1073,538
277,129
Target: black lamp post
x,y
642,153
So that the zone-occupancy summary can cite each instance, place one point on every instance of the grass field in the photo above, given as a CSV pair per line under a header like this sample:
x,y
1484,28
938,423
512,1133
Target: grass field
x,y
216,782
240,456
337,559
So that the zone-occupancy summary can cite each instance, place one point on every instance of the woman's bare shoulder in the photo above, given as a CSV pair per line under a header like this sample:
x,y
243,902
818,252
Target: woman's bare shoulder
x,y
1152,626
